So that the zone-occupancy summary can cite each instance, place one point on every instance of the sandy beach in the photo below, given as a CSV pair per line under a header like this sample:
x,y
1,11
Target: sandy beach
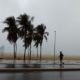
x,y
20,56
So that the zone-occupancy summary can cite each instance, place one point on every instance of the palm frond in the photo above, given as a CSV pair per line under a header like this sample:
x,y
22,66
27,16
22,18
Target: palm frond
x,y
11,29
5,29
45,37
47,33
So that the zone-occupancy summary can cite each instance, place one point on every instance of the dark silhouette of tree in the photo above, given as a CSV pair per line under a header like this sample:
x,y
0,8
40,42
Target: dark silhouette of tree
x,y
12,32
36,39
28,40
30,37
36,44
25,32
40,29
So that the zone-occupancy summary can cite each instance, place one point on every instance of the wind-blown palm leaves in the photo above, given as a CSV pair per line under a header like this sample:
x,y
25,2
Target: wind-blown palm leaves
x,y
39,36
12,32
25,31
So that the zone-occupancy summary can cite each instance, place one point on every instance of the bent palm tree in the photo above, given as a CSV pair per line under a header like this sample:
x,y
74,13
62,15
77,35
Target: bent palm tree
x,y
28,41
41,34
30,37
25,23
12,32
36,39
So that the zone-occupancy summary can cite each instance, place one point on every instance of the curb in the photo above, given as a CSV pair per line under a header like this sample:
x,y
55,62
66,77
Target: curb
x,y
36,69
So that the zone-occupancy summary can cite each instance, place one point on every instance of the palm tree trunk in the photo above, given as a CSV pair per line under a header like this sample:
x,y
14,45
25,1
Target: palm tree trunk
x,y
40,52
30,51
24,54
37,53
25,45
14,52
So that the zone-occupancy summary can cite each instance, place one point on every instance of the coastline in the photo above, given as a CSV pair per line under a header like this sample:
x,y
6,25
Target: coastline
x,y
10,56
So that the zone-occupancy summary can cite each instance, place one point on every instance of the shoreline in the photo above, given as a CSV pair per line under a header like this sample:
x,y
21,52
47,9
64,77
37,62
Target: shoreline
x,y
10,56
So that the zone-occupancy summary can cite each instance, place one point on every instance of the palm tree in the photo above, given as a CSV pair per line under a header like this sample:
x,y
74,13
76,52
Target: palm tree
x,y
36,44
12,32
41,35
30,37
36,39
28,41
24,29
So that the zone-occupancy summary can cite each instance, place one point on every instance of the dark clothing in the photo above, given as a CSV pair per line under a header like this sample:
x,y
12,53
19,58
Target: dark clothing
x,y
61,57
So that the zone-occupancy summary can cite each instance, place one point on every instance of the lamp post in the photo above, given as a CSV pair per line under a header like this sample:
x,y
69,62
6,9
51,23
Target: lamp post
x,y
54,45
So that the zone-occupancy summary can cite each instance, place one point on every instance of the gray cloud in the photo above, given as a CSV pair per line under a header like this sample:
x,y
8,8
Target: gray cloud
x,y
60,15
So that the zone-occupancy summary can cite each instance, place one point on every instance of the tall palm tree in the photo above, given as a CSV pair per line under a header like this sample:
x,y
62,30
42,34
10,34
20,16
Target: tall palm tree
x,y
36,44
30,37
41,34
28,42
36,39
12,32
25,25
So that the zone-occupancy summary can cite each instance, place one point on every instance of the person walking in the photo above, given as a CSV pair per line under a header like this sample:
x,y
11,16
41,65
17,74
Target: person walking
x,y
61,57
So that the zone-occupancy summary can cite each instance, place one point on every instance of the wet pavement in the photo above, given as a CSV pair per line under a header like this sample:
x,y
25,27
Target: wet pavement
x,y
39,64
53,75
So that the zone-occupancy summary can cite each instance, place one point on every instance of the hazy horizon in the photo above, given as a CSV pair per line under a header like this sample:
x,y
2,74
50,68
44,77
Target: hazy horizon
x,y
60,15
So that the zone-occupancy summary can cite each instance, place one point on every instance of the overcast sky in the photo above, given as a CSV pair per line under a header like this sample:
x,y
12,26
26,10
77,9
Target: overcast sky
x,y
60,15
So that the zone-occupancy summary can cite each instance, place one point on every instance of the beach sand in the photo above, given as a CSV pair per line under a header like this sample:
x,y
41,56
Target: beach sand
x,y
19,56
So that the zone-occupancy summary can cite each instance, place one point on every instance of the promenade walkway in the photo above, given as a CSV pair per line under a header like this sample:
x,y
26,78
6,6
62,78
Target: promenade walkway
x,y
30,66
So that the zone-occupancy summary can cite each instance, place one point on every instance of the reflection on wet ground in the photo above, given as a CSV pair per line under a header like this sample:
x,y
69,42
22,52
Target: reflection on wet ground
x,y
38,64
41,76
59,75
